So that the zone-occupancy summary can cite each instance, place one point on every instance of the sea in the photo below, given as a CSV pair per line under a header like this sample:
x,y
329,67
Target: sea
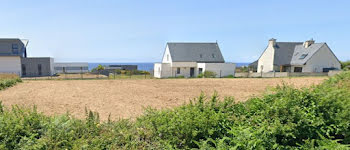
x,y
145,66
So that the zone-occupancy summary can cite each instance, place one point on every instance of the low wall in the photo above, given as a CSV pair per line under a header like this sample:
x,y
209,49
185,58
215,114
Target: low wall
x,y
242,75
334,72
279,74
305,74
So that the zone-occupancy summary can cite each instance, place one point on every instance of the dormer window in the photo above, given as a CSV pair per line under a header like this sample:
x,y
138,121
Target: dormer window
x,y
200,55
213,55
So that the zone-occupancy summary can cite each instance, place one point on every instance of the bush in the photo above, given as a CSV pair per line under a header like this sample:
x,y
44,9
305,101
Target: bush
x,y
310,118
5,83
344,64
207,74
136,72
229,76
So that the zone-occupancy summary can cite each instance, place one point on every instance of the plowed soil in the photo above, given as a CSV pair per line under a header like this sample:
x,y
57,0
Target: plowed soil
x,y
127,98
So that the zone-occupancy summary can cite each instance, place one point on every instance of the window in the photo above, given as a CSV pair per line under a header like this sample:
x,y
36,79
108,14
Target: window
x,y
167,57
178,71
298,69
15,48
303,56
213,55
200,55
24,71
39,70
200,70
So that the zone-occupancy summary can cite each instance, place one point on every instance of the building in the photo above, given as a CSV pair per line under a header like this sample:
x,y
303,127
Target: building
x,y
305,56
14,60
121,67
192,59
37,66
71,67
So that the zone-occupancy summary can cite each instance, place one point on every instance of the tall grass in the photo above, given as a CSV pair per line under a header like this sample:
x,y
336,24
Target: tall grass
x,y
8,82
309,118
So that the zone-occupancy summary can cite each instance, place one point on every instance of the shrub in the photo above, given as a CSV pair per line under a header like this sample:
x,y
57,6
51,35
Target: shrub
x,y
344,64
229,76
5,83
309,118
207,74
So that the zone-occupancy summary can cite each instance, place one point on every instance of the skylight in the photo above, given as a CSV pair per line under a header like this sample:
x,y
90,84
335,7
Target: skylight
x,y
303,56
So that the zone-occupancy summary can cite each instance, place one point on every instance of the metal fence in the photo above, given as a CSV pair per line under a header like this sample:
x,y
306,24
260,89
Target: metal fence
x,y
89,75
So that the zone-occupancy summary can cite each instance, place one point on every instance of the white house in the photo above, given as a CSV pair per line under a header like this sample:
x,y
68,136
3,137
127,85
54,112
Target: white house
x,y
305,56
192,59
11,53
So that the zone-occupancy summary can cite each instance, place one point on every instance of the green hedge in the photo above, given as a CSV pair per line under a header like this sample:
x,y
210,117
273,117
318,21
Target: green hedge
x,y
310,118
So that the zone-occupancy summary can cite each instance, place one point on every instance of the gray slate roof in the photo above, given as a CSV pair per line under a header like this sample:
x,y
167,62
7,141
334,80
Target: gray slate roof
x,y
6,47
309,52
195,52
284,52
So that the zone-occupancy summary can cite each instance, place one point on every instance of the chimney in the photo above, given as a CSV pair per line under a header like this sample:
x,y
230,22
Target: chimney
x,y
272,42
308,43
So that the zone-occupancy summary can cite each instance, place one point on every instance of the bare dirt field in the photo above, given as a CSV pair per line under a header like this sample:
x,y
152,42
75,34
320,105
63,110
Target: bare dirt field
x,y
127,98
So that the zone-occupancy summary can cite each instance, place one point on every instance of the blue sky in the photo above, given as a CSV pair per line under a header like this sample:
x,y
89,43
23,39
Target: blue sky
x,y
137,31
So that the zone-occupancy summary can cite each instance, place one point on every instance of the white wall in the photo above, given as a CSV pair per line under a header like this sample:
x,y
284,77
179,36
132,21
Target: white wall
x,y
166,56
266,60
157,70
10,64
162,70
323,58
221,69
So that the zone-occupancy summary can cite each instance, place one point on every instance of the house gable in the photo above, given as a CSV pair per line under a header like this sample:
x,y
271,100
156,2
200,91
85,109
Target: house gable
x,y
166,55
302,55
322,58
265,62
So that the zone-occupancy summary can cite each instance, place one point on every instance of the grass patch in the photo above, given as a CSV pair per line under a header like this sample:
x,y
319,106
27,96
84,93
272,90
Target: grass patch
x,y
8,81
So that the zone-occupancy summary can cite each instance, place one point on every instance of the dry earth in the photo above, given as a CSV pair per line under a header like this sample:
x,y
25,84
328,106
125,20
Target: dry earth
x,y
127,98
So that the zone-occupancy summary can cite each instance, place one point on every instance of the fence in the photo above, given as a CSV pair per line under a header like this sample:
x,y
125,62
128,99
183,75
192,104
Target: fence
x,y
283,74
96,75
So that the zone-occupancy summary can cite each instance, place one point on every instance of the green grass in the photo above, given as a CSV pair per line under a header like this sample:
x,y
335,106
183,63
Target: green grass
x,y
8,82
309,118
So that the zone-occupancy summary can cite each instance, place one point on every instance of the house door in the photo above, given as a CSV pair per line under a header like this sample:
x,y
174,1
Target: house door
x,y
191,72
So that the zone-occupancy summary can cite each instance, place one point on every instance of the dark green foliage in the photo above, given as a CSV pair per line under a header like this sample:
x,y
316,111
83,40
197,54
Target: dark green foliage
x,y
136,72
345,64
310,118
98,68
229,76
5,83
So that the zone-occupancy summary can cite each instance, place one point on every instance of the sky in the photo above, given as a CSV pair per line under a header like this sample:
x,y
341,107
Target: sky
x,y
137,31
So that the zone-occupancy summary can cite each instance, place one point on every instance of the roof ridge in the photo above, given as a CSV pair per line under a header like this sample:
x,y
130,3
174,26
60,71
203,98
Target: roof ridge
x,y
192,42
289,42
